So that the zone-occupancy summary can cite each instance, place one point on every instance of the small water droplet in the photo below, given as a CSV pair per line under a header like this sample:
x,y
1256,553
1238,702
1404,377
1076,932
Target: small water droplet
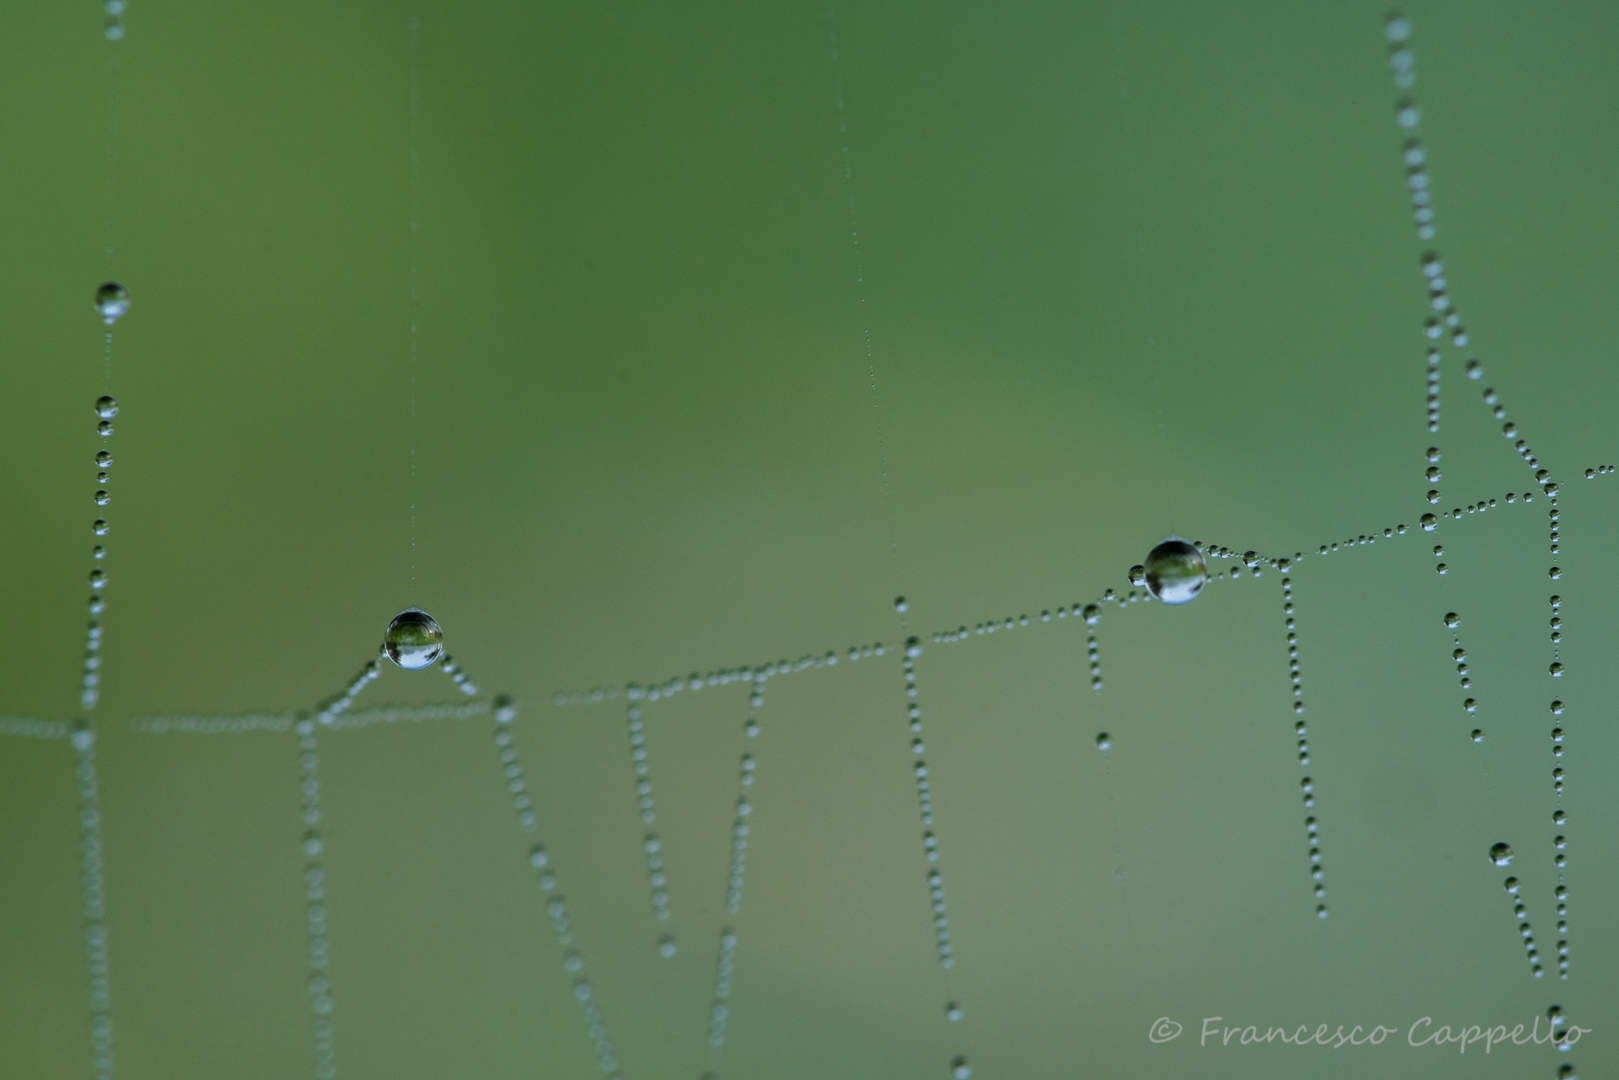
x,y
112,301
952,1012
98,579
1559,817
1557,670
960,1070
1175,572
1428,522
101,528
1501,854
106,407
1478,735
1452,619
102,498
103,459
414,639
1104,742
1138,575
666,947
1471,705
900,605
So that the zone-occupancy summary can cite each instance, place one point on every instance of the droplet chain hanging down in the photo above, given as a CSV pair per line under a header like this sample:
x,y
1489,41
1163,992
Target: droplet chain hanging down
x,y
1445,316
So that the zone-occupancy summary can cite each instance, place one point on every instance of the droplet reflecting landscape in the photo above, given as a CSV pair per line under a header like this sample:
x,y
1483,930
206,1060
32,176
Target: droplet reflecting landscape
x,y
414,640
1175,571
112,301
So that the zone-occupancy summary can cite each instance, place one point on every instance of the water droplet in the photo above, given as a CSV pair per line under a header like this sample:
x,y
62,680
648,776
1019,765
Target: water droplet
x,y
98,579
1452,619
103,459
1555,573
1566,1072
1397,29
312,843
1104,743
414,640
101,528
112,301
1478,735
1442,568
1501,854
666,947
1559,817
952,1012
106,407
900,605
102,498
1471,705
1175,572
959,1069
1557,670
751,728
1428,522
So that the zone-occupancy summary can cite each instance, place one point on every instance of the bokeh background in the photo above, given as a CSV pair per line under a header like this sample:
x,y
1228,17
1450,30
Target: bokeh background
x,y
1128,269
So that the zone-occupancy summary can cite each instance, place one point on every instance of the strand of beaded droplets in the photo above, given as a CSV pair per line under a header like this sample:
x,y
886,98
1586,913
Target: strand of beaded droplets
x,y
725,963
556,905
1445,315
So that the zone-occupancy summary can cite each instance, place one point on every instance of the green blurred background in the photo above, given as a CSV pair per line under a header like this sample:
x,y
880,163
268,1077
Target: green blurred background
x,y
1128,269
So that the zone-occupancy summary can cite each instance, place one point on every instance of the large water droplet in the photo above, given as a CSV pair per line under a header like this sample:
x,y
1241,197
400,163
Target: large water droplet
x,y
1175,571
106,407
112,301
414,640
1428,522
1501,854
1452,619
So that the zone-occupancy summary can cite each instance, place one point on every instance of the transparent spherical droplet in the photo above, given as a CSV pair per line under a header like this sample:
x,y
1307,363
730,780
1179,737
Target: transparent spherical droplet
x,y
100,528
106,407
414,640
112,301
900,605
1555,573
1566,1072
103,459
1452,619
1557,670
960,1070
1470,705
1138,575
1104,742
1428,522
666,947
98,579
1501,854
952,1012
1559,817
1175,572
1477,735
102,498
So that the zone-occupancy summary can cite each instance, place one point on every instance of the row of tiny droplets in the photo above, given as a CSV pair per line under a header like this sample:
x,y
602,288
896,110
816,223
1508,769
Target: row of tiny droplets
x,y
106,408
720,1009
959,1067
95,902
1398,31
1311,827
695,681
643,790
555,903
320,997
